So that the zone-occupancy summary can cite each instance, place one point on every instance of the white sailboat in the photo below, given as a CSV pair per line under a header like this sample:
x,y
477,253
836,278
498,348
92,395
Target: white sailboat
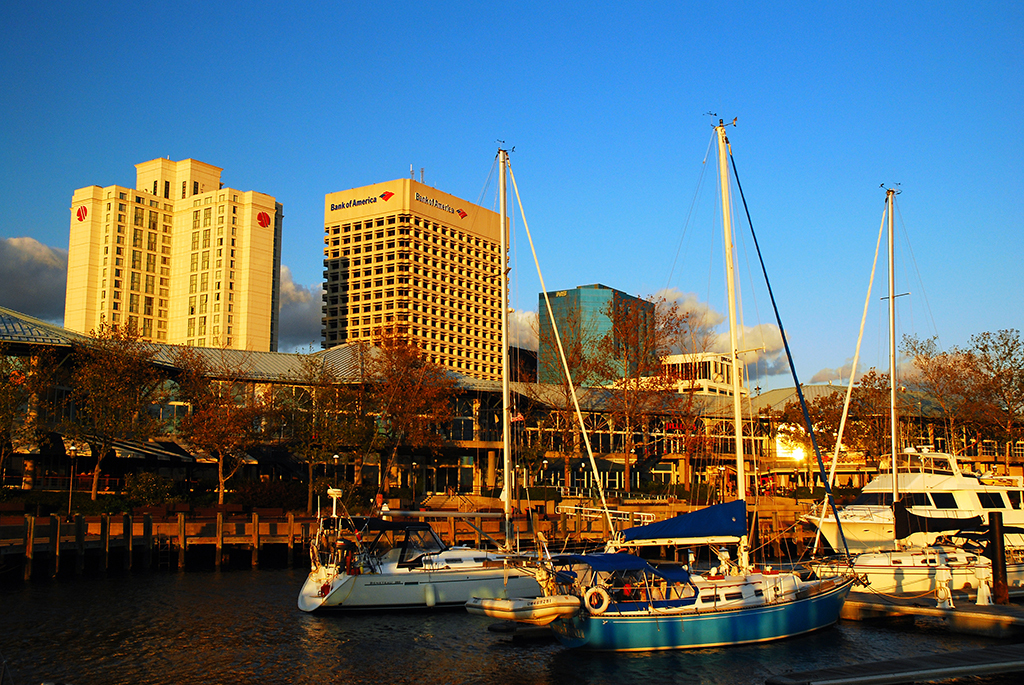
x,y
404,564
906,528
617,601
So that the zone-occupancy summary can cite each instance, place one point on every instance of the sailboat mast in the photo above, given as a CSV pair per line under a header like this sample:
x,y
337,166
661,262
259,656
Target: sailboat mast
x,y
730,276
890,195
506,425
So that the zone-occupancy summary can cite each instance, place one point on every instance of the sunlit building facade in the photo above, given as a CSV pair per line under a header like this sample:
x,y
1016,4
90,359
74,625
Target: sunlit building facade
x,y
179,257
407,260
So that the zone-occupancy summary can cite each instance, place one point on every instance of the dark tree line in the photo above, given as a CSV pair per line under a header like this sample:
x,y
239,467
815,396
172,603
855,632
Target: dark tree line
x,y
116,384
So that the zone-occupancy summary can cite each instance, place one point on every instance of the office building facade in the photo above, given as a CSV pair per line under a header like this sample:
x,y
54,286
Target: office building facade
x,y
181,258
583,316
406,260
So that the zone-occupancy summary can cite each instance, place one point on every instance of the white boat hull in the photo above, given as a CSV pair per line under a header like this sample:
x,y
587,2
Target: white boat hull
x,y
914,570
967,501
410,589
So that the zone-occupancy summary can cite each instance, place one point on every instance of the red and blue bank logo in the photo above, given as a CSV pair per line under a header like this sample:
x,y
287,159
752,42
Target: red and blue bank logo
x,y
386,195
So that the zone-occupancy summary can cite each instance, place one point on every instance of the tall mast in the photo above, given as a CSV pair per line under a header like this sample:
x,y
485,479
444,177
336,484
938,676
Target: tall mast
x,y
730,276
890,195
506,430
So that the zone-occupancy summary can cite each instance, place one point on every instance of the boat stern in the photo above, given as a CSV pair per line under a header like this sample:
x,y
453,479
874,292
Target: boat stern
x,y
321,590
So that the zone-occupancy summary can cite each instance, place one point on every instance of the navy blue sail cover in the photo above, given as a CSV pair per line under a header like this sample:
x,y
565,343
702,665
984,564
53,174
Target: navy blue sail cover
x,y
620,561
719,520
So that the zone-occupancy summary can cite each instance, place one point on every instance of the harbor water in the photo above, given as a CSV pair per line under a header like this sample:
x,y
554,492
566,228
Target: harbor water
x,y
242,626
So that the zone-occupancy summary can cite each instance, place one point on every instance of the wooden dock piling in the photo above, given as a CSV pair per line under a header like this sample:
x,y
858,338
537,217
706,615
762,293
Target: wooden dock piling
x,y
220,540
255,540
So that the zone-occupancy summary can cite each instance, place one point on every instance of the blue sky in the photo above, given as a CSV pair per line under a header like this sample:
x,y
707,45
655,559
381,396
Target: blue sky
x,y
605,105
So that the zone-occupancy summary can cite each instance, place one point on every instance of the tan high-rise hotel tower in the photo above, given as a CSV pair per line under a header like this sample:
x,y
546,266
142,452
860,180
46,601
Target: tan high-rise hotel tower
x,y
182,258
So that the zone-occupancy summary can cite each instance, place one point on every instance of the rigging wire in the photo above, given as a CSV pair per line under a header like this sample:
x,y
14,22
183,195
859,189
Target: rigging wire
x,y
789,356
565,365
853,376
917,270
689,214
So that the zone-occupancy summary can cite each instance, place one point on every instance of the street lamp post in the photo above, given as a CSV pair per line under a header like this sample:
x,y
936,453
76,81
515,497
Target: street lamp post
x,y
414,467
544,483
71,478
335,470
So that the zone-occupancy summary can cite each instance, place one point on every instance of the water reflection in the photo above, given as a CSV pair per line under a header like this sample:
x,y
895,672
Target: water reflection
x,y
243,626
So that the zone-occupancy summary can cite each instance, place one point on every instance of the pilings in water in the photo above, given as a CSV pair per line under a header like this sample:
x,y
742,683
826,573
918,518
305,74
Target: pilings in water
x,y
64,545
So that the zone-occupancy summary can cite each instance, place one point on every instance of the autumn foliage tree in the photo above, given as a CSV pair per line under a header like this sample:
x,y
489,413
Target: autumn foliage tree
x,y
999,358
412,399
869,407
953,380
114,382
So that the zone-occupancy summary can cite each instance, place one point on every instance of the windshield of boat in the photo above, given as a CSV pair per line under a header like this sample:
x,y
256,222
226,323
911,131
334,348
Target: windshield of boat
x,y
925,462
418,542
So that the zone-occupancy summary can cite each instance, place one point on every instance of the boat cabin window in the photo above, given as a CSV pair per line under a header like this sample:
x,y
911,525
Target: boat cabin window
x,y
883,499
991,500
917,499
944,500
1014,496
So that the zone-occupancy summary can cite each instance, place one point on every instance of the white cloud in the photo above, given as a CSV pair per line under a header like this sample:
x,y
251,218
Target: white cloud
x,y
300,315
840,374
523,328
708,331
34,278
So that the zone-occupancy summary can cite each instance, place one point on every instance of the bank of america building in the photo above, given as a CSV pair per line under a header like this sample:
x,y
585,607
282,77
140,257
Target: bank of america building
x,y
407,260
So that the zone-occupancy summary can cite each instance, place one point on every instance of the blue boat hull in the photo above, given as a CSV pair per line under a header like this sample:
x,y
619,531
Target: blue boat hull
x,y
649,631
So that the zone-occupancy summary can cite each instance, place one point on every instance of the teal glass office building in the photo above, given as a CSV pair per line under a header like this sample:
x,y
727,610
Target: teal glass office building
x,y
582,318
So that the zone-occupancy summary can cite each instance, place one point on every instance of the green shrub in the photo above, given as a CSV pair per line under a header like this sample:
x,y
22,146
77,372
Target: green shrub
x,y
148,489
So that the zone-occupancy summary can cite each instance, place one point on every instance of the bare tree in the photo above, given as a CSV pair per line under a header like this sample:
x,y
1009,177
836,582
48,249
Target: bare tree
x,y
1000,362
326,415
580,341
641,336
951,378
226,409
114,382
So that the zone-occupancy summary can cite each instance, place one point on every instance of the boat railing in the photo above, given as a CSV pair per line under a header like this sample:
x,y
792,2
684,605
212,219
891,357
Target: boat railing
x,y
634,517
592,493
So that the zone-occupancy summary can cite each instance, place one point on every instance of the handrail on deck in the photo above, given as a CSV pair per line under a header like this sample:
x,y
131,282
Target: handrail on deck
x,y
616,515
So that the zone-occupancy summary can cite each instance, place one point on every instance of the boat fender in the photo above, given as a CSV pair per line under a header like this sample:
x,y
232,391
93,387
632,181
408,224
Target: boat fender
x,y
597,600
429,595
348,562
